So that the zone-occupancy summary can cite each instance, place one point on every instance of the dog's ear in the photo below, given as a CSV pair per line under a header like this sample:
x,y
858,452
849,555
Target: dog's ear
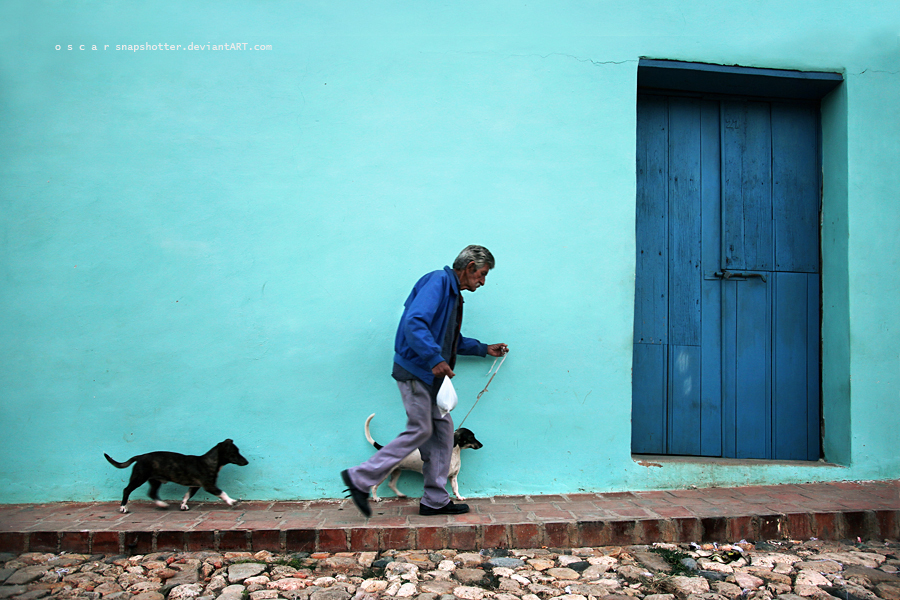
x,y
228,441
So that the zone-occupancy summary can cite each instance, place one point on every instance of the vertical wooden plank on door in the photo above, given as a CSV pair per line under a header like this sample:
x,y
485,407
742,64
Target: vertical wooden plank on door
x,y
746,372
795,193
729,369
747,236
684,400
651,298
684,221
813,341
753,418
684,276
648,416
747,245
795,366
795,199
648,434
711,296
789,366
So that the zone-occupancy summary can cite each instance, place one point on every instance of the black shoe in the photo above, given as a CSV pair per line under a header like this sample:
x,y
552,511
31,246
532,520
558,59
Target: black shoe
x,y
360,498
447,509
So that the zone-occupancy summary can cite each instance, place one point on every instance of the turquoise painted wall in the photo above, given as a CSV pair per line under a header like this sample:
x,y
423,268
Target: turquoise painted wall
x,y
197,245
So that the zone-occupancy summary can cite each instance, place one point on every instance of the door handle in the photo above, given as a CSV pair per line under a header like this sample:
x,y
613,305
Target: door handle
x,y
725,274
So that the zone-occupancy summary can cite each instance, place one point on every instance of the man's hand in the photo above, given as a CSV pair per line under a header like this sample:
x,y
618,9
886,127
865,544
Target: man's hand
x,y
497,349
442,369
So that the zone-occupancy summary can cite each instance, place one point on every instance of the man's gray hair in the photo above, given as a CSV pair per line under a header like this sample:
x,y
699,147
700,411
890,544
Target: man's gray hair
x,y
479,254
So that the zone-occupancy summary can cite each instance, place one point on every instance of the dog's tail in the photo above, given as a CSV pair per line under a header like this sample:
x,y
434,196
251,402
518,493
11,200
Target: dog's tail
x,y
118,464
369,435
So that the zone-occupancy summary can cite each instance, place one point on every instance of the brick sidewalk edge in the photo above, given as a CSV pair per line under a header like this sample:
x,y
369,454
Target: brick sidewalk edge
x,y
865,525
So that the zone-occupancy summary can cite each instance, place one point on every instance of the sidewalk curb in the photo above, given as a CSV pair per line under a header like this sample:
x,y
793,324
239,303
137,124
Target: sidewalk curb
x,y
865,525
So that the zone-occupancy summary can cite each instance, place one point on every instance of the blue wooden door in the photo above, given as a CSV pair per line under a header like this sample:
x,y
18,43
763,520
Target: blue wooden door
x,y
726,331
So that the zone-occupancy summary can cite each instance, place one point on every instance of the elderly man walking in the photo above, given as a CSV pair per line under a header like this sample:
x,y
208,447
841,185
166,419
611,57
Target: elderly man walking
x,y
428,340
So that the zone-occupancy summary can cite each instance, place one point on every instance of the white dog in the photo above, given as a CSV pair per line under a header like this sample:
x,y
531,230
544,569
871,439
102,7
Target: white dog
x,y
462,438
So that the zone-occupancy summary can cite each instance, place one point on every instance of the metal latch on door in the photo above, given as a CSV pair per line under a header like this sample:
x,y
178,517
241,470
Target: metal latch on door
x,y
725,274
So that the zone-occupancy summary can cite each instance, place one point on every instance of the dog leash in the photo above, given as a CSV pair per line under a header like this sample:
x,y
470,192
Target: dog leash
x,y
481,393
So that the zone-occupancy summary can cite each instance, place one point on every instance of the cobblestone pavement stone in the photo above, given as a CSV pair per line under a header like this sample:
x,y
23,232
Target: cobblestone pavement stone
x,y
781,570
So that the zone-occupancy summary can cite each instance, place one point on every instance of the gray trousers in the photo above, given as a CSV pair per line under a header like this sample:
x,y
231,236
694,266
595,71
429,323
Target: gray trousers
x,y
427,431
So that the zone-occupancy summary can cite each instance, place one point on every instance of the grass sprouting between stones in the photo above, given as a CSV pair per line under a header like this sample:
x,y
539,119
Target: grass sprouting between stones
x,y
674,558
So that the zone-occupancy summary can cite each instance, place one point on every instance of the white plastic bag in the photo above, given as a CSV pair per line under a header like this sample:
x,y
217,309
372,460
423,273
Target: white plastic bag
x,y
446,397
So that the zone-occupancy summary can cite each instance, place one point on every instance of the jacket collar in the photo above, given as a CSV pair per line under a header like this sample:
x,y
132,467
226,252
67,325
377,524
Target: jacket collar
x,y
454,280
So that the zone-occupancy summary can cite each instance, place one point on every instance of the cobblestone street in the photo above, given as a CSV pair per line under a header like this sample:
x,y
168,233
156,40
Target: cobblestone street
x,y
785,570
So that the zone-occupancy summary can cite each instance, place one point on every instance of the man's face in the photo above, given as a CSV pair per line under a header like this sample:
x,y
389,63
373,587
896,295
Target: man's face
x,y
472,277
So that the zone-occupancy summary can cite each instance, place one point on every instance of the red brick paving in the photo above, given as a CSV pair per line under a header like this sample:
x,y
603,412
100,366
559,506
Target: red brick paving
x,y
835,510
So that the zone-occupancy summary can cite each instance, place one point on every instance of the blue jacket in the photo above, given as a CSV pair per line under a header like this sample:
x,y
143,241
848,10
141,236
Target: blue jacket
x,y
424,324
